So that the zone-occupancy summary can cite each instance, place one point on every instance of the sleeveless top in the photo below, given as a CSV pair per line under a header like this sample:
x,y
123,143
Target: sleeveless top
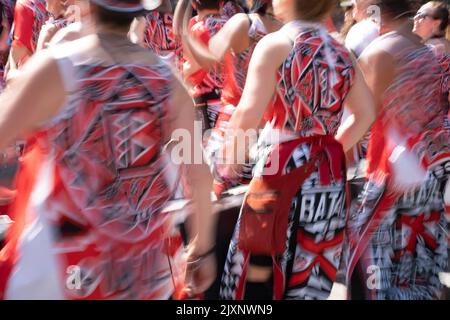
x,y
312,84
205,82
37,15
159,35
107,180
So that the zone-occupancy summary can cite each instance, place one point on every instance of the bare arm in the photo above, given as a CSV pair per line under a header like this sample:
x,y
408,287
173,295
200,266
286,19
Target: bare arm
x,y
361,105
203,222
259,88
378,68
233,36
16,55
199,178
33,97
364,101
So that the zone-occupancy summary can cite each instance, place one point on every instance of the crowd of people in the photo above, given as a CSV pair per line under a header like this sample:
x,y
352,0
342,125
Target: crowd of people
x,y
121,128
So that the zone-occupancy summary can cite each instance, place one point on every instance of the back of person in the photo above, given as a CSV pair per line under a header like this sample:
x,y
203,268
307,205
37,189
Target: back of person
x,y
301,121
103,181
312,84
28,12
412,112
408,157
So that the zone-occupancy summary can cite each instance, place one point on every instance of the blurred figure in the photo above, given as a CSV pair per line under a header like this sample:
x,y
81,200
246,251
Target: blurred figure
x,y
364,31
397,238
234,45
89,220
29,17
431,23
349,22
287,243
79,22
205,86
154,31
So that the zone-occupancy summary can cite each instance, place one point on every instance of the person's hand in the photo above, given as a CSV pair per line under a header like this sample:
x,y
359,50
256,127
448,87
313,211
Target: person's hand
x,y
201,270
47,32
338,292
11,75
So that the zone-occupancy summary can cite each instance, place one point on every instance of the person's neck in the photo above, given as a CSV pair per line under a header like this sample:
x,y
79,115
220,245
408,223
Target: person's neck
x,y
402,27
207,12
111,32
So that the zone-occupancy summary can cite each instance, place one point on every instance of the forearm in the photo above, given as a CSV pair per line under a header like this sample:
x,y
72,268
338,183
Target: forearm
x,y
203,222
178,17
242,133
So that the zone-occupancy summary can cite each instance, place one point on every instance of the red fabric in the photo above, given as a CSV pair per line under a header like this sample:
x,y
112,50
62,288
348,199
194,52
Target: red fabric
x,y
318,249
23,27
417,225
231,92
235,70
313,109
123,243
279,281
203,81
240,290
201,34
329,24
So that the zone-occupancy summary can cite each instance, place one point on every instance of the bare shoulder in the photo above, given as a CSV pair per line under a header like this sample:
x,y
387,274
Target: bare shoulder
x,y
274,47
240,19
377,55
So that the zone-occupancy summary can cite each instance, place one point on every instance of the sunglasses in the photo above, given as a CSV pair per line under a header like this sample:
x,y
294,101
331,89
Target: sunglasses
x,y
422,15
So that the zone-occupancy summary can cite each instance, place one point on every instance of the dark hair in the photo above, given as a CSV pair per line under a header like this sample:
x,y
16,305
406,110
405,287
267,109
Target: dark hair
x,y
439,11
115,19
207,4
259,6
395,8
314,10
